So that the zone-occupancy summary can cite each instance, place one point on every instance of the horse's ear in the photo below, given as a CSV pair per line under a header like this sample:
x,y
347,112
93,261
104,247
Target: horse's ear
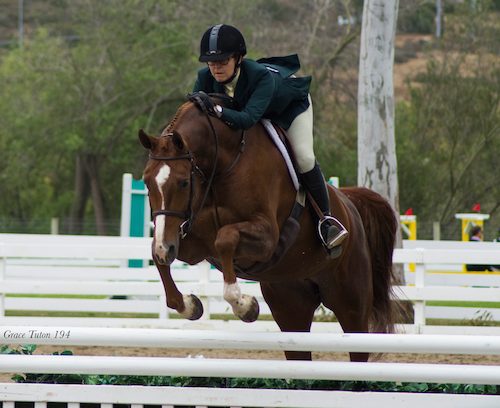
x,y
177,141
146,140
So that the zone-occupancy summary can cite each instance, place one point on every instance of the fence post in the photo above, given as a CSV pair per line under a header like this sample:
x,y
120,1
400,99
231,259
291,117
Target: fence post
x,y
204,279
135,213
436,231
54,226
419,306
163,312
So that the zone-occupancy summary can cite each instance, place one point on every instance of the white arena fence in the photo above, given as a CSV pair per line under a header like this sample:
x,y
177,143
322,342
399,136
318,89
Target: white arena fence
x,y
205,397
89,274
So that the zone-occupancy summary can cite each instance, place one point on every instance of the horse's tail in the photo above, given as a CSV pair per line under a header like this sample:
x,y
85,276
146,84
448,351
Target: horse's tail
x,y
380,226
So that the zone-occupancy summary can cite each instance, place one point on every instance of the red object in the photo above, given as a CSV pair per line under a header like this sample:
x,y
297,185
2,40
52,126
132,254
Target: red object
x,y
409,211
476,207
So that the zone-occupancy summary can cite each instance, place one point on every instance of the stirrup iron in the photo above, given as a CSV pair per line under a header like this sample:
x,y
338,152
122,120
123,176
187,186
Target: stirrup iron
x,y
340,236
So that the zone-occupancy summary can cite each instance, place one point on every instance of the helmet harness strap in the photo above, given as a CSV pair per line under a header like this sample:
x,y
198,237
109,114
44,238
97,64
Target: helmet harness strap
x,y
235,72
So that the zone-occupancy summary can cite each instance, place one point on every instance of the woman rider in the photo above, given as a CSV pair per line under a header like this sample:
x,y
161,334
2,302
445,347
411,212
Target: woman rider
x,y
267,88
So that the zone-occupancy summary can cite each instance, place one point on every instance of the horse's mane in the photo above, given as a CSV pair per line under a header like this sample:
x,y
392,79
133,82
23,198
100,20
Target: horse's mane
x,y
180,112
221,99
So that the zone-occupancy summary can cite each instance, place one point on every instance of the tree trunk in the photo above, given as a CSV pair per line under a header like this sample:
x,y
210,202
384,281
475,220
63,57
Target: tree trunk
x,y
377,164
439,18
81,189
92,167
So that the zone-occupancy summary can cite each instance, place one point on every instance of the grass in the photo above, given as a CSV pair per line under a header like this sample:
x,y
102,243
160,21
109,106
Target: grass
x,y
482,305
323,316
38,313
26,295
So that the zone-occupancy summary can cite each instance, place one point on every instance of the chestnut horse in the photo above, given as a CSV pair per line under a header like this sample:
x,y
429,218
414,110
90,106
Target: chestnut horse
x,y
222,194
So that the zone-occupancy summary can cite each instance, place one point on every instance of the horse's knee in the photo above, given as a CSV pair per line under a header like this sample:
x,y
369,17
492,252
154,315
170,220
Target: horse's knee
x,y
227,240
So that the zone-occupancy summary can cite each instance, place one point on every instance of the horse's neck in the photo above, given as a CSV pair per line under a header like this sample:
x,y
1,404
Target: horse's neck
x,y
224,150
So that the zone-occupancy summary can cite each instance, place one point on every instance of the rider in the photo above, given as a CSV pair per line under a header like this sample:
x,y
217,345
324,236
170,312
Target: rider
x,y
267,88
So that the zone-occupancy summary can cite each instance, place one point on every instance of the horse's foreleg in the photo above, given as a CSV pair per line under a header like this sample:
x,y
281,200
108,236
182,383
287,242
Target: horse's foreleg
x,y
188,306
244,306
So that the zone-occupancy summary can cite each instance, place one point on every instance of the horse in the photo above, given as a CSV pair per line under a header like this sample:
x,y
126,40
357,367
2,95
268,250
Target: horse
x,y
223,194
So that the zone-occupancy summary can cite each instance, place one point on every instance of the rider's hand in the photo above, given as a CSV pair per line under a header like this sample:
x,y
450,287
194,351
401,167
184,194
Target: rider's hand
x,y
211,108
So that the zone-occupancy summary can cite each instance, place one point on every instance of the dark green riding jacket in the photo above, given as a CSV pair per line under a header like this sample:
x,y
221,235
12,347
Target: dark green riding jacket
x,y
265,89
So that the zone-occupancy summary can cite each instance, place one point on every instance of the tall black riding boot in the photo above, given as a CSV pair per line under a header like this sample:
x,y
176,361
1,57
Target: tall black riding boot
x,y
331,231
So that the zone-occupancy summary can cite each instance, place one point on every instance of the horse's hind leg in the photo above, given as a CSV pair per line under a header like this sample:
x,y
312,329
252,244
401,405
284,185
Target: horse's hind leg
x,y
292,305
350,298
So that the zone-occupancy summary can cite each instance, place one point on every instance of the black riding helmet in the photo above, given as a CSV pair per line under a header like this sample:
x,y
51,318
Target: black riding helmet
x,y
220,42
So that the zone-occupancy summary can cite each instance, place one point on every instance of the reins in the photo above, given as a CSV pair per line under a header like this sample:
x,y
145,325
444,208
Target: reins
x,y
189,215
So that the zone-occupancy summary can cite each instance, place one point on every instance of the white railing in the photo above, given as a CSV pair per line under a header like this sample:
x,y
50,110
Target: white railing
x,y
167,397
200,367
216,339
45,265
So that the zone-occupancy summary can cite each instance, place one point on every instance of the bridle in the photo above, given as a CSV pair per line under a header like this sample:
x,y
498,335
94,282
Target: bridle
x,y
189,214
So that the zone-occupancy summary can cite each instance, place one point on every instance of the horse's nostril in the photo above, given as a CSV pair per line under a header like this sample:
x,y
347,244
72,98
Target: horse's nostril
x,y
171,253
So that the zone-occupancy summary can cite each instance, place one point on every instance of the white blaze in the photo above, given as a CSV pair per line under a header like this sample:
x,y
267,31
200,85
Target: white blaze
x,y
161,178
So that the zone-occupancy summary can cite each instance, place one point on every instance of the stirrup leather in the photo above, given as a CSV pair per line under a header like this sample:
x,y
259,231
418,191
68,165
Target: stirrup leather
x,y
339,238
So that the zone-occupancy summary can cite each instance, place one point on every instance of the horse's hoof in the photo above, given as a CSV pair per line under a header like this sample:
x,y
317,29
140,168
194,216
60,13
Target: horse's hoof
x,y
193,307
252,310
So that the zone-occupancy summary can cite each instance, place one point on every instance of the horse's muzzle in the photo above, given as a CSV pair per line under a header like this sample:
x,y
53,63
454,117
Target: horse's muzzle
x,y
164,253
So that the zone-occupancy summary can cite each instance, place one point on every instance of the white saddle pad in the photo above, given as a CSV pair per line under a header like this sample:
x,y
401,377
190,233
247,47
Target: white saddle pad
x,y
281,147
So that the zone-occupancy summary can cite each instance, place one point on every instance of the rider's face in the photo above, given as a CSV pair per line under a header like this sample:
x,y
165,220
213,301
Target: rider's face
x,y
222,70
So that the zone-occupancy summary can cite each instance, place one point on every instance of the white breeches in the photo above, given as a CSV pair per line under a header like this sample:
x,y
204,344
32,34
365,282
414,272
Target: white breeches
x,y
300,135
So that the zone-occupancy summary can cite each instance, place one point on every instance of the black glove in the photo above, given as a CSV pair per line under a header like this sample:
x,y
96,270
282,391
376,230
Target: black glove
x,y
205,103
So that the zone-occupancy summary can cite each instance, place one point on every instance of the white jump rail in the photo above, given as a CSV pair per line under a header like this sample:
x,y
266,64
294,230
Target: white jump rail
x,y
243,368
204,397
212,339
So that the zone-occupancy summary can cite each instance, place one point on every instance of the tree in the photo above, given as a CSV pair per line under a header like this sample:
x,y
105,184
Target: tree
x,y
450,138
377,164
90,97
448,131
32,163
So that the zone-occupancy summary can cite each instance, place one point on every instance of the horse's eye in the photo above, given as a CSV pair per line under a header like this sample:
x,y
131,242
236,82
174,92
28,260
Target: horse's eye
x,y
183,183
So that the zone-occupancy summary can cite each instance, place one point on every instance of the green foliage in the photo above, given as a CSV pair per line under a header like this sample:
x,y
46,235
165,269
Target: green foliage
x,y
29,349
448,136
257,383
419,19
62,100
